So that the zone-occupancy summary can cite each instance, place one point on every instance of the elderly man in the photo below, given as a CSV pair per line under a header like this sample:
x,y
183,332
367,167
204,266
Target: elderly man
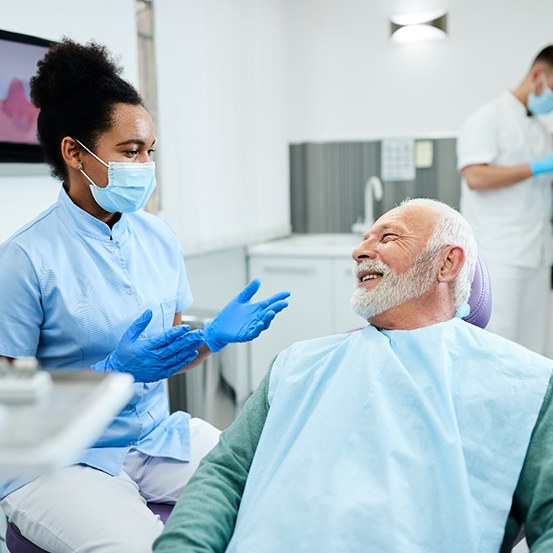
x,y
420,433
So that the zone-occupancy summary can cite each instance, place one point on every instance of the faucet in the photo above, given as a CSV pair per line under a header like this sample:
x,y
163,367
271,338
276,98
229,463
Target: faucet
x,y
373,190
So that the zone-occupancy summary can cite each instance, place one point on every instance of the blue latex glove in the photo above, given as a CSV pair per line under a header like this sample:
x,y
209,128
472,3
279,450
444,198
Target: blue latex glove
x,y
542,165
242,321
153,359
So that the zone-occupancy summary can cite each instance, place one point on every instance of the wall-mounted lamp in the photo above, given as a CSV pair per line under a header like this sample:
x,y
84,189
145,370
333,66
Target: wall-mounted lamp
x,y
418,26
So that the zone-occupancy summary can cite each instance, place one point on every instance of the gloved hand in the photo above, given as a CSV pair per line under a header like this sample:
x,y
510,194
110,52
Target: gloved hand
x,y
542,165
241,321
153,359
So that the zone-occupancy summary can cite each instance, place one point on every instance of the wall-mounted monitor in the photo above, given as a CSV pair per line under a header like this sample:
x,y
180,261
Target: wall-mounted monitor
x,y
18,58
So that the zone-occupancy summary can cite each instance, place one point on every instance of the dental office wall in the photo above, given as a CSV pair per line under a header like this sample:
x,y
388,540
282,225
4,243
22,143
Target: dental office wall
x,y
240,80
347,81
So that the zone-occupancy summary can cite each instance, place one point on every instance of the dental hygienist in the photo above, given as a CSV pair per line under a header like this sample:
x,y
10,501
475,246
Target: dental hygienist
x,y
505,155
94,282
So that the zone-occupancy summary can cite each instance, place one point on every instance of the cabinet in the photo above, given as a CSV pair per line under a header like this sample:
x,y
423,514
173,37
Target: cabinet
x,y
317,270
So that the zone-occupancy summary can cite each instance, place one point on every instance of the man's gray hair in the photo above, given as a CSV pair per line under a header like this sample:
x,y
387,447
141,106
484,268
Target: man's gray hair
x,y
452,229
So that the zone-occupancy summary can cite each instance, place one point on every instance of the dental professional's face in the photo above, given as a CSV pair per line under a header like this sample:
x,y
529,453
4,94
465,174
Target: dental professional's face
x,y
131,138
393,267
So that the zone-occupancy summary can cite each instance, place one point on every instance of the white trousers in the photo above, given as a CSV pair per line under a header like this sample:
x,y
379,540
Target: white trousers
x,y
86,510
520,304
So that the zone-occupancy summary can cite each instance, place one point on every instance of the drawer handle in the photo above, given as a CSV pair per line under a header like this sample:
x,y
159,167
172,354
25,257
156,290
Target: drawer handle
x,y
296,270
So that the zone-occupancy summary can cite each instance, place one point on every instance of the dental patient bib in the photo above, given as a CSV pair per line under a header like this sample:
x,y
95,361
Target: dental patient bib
x,y
392,441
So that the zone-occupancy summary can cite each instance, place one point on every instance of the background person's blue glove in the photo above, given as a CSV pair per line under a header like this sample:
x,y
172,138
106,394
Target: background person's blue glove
x,y
542,165
155,358
242,321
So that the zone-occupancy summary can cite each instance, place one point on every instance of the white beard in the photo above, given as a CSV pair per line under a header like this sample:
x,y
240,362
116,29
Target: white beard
x,y
393,288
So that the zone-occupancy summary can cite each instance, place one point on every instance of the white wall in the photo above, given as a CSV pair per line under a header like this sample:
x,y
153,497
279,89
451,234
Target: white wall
x,y
346,81
223,156
241,79
26,191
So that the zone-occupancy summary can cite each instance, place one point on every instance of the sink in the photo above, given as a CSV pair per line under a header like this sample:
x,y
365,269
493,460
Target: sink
x,y
373,187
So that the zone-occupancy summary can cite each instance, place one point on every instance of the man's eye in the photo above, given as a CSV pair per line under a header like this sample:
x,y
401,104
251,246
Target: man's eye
x,y
388,237
131,152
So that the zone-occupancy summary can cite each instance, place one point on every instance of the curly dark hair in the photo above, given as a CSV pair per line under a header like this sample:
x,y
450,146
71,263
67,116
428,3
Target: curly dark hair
x,y
76,88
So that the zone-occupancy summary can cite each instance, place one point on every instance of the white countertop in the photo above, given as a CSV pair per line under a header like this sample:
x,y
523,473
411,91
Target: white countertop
x,y
308,245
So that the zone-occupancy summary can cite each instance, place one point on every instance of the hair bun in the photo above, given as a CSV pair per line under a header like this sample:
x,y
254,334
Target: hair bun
x,y
69,67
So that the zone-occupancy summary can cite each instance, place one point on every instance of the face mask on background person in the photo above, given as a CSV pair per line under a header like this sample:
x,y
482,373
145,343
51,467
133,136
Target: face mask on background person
x,y
129,185
542,103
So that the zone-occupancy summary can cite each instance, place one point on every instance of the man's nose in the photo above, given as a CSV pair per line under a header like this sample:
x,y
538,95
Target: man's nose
x,y
365,250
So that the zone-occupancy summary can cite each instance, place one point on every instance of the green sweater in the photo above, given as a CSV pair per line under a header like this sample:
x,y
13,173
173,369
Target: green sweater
x,y
204,517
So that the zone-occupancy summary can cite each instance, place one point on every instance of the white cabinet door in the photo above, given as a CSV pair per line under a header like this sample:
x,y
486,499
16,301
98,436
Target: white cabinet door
x,y
345,317
310,309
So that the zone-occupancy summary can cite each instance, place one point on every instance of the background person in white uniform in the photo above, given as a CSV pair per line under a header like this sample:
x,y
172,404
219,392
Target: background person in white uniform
x,y
505,155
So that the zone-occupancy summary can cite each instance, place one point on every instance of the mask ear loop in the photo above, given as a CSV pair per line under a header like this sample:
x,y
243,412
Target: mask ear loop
x,y
80,165
91,153
86,176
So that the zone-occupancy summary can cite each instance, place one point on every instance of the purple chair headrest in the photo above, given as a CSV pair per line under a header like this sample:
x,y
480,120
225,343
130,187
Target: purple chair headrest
x,y
480,299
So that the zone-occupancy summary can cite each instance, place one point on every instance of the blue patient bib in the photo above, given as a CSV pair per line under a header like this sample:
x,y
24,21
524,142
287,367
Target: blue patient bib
x,y
392,441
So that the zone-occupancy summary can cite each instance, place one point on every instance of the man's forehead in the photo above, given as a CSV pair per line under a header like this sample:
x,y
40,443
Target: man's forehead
x,y
412,217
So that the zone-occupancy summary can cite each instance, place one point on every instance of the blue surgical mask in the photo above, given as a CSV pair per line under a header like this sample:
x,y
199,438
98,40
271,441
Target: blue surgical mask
x,y
542,104
129,185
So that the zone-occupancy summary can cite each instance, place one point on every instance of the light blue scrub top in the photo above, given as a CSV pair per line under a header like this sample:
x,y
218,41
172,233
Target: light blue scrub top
x,y
69,288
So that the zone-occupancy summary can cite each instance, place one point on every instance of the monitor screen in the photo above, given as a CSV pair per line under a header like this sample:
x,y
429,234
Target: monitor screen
x,y
18,58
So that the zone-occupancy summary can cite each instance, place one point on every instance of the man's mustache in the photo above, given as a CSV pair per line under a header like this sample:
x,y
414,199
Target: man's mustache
x,y
376,266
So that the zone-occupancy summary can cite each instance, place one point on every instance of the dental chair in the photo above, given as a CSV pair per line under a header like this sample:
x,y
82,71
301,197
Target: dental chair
x,y
480,302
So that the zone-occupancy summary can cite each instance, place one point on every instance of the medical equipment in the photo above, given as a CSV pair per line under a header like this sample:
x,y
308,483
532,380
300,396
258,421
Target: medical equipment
x,y
23,384
43,435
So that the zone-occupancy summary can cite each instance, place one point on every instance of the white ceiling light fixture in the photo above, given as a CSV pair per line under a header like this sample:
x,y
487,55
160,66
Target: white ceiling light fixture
x,y
418,26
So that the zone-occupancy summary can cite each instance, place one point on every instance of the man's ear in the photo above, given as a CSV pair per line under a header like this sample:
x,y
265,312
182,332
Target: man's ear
x,y
537,78
71,152
452,260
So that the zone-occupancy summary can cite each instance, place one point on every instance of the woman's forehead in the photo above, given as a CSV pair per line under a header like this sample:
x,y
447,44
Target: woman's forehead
x,y
132,119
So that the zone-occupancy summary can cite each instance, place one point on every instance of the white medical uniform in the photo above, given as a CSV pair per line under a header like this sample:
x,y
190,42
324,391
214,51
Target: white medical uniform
x,y
512,225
